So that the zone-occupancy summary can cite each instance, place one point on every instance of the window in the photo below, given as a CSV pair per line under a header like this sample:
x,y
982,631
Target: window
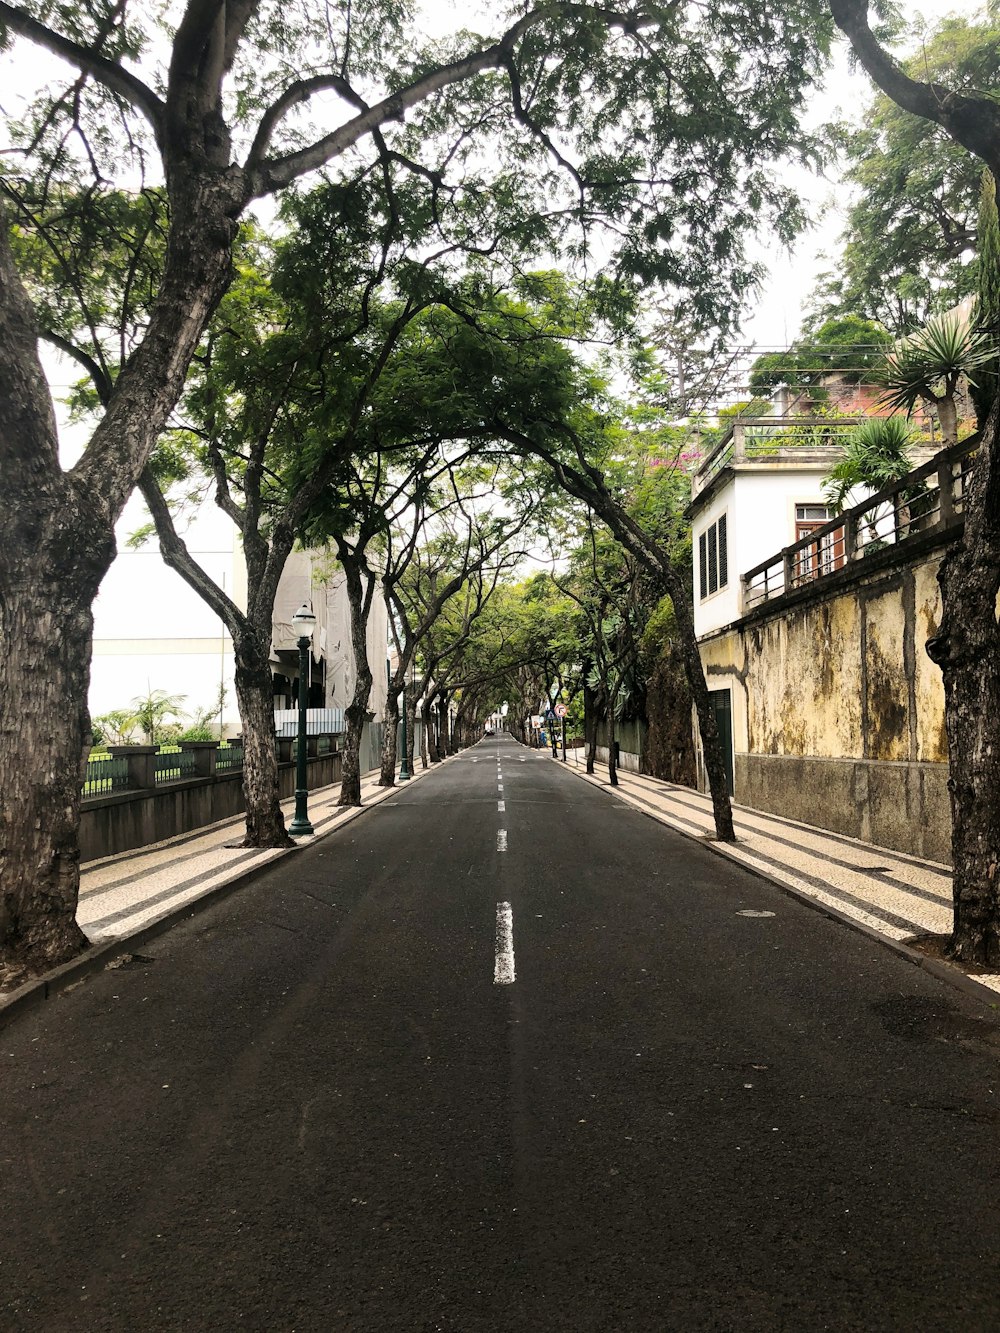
x,y
713,558
822,555
809,517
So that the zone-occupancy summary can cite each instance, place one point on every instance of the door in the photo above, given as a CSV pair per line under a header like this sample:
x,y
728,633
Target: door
x,y
722,707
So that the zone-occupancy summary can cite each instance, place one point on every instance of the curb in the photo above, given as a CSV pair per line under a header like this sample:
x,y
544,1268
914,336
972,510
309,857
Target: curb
x,y
97,957
934,967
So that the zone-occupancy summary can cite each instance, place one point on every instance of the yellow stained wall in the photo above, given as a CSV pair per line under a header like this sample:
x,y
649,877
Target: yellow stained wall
x,y
842,675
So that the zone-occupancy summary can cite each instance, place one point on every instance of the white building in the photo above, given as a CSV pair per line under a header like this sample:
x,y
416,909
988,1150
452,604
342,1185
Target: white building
x,y
754,494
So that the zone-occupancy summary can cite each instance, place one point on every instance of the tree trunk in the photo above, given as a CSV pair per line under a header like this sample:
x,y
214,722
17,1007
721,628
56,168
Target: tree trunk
x,y
47,636
390,719
433,715
947,410
411,728
451,745
711,744
589,727
444,741
265,824
425,727
967,649
251,636
357,710
612,758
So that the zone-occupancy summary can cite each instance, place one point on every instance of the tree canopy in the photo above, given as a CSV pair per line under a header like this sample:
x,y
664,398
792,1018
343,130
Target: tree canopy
x,y
909,244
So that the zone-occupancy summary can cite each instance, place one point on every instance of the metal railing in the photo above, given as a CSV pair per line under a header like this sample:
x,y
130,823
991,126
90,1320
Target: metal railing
x,y
228,758
105,775
171,764
751,438
926,500
319,721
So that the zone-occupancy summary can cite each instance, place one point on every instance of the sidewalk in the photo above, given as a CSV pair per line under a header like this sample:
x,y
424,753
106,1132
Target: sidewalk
x,y
888,893
121,895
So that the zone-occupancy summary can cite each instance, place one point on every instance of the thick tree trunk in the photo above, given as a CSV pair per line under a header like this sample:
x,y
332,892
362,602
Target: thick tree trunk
x,y
612,757
47,636
947,410
357,710
265,824
390,718
967,649
425,726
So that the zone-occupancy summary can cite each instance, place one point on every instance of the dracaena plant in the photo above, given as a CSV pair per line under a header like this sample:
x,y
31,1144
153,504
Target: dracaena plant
x,y
930,364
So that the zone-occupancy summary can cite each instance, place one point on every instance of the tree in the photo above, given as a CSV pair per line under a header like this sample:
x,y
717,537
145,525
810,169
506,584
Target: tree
x,y
847,348
930,365
911,227
152,709
988,296
967,644
213,94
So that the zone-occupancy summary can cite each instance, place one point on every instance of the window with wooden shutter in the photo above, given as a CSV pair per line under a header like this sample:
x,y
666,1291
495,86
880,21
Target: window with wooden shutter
x,y
703,566
723,553
713,558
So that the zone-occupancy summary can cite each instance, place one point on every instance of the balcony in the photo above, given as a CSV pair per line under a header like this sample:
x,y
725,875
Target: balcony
x,y
766,440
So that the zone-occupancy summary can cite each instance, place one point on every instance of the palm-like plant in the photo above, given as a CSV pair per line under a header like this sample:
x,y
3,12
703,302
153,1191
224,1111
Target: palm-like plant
x,y
929,364
877,453
151,710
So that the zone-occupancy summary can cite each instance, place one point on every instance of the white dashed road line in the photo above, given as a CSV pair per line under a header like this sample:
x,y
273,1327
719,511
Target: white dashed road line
x,y
501,840
503,969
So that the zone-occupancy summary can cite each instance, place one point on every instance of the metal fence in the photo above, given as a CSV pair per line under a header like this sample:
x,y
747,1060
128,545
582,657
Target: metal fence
x,y
752,438
105,775
927,500
228,758
318,721
171,764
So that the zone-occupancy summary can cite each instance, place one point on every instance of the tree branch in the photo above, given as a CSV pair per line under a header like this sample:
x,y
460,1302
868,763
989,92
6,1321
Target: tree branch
x,y
105,71
974,122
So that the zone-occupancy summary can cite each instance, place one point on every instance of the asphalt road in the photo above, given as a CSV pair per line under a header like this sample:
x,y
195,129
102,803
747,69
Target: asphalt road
x,y
315,1108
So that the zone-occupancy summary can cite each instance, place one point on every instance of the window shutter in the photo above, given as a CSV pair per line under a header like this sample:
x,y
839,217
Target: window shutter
x,y
713,558
723,553
702,567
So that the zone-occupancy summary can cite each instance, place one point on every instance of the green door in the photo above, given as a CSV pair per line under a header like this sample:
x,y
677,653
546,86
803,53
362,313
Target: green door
x,y
722,706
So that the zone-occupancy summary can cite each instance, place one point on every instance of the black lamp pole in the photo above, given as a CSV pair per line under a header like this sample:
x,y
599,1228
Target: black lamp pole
x,y
300,827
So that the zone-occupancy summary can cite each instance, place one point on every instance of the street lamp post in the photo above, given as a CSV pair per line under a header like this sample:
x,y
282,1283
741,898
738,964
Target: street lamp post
x,y
304,622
